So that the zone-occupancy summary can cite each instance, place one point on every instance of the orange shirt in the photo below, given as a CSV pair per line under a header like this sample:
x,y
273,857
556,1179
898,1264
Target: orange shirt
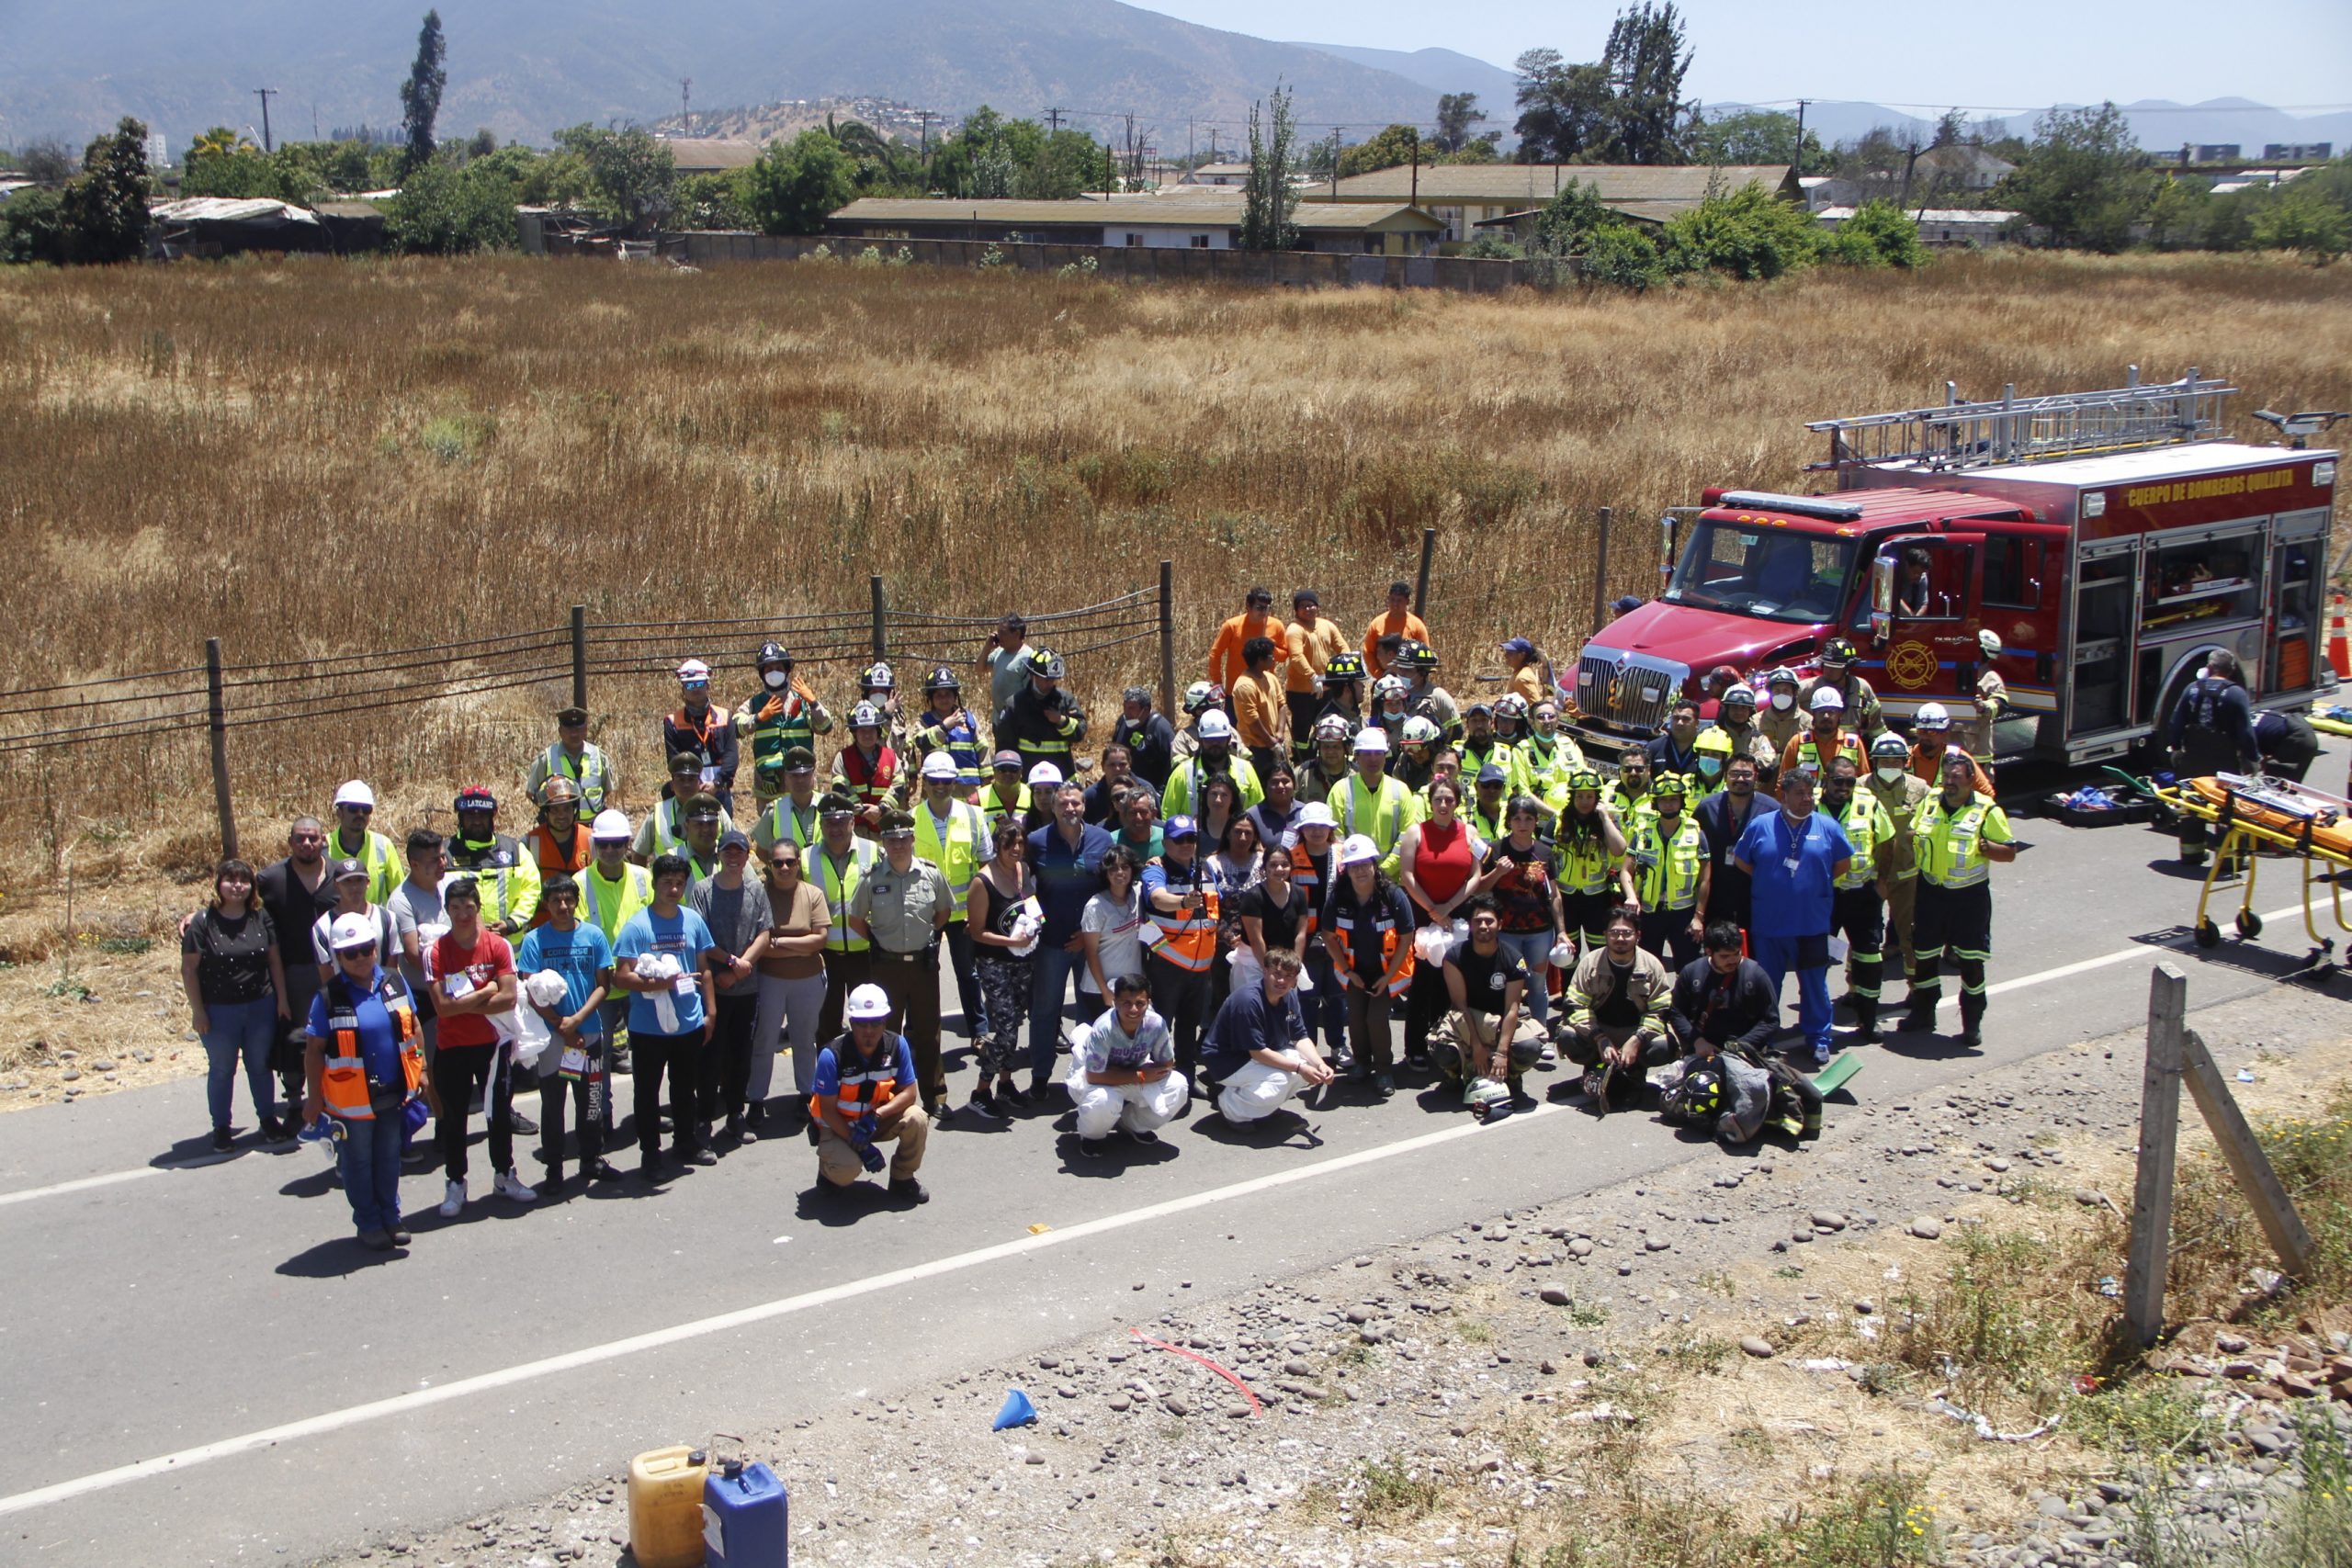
x,y
1927,763
1224,654
1390,623
1312,649
1259,714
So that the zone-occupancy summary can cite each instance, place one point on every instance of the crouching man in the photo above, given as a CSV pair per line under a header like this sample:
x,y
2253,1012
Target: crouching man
x,y
1258,1048
865,1096
1487,1043
1124,1074
1616,1028
1724,1013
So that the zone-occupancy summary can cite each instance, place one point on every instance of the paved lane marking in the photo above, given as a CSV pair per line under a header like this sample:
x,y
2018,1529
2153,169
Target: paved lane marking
x,y
83,1185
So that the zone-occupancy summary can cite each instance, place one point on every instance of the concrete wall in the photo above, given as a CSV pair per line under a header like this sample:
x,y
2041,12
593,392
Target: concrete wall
x,y
1293,268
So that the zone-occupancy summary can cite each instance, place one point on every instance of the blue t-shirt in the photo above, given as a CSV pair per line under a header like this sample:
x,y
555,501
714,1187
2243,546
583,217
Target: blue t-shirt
x,y
684,937
1795,880
1067,878
1244,1024
828,1081
579,955
379,1039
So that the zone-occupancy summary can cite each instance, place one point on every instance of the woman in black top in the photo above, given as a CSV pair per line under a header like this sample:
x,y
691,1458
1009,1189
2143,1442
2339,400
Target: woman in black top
x,y
235,980
999,891
1274,914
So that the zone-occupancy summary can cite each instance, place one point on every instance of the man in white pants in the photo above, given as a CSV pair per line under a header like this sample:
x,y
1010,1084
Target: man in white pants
x,y
1125,1073
1258,1049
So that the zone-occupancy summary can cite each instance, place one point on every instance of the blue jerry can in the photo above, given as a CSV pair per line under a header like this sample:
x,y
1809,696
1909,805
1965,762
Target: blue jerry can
x,y
745,1518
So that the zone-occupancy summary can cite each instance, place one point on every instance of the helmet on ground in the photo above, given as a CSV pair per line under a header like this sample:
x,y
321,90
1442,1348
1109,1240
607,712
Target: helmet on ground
x,y
1344,667
558,791
473,797
1202,695
1838,651
1933,716
1739,692
866,715
1826,699
1047,665
1419,730
943,678
1334,726
877,678
772,652
1389,686
1890,745
1699,1096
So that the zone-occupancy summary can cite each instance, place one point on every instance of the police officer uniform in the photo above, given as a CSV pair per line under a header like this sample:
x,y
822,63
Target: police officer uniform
x,y
903,911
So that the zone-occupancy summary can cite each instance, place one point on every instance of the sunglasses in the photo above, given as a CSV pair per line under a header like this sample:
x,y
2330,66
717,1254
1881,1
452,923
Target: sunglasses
x,y
357,810
367,952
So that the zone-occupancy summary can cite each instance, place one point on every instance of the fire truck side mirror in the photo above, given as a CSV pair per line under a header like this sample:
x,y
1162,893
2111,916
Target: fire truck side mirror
x,y
1883,585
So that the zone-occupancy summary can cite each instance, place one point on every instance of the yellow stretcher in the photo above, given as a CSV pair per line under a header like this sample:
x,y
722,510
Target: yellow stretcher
x,y
2258,814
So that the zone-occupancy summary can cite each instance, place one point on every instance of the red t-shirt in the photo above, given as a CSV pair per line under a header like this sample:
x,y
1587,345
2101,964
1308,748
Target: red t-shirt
x,y
1443,862
481,964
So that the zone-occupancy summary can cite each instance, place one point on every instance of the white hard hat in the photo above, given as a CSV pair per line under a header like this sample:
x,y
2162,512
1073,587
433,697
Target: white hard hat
x,y
355,792
1933,716
1044,774
694,669
1358,848
351,931
1316,814
868,1001
1990,642
1215,726
1372,737
611,823
1826,700
940,765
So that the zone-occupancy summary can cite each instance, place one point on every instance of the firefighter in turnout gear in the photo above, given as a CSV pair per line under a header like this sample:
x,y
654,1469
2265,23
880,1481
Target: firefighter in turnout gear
x,y
704,730
1781,718
782,714
560,841
1855,696
947,726
506,875
867,769
1323,773
1858,909
879,686
1042,722
1901,792
1957,832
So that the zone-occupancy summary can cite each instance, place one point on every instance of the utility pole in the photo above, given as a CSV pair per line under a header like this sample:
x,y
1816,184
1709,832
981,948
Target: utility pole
x,y
1053,121
316,137
926,116
1335,160
1415,199
264,94
687,105
1799,159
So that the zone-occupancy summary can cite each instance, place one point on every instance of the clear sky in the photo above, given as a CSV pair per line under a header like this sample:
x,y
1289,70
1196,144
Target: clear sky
x,y
1995,53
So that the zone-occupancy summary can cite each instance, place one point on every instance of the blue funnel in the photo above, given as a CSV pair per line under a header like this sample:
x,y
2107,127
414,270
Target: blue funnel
x,y
1017,1411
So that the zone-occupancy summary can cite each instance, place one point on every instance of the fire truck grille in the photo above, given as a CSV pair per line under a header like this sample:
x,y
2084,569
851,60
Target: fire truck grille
x,y
1623,691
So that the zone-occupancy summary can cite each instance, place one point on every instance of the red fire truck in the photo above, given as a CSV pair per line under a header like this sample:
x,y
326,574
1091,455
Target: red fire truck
x,y
2111,538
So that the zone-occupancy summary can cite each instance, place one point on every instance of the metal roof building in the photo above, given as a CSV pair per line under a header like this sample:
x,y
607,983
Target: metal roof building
x,y
1462,196
1198,221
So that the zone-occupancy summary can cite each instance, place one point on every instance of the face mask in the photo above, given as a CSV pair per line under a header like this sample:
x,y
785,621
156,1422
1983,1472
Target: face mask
x,y
1784,701
774,679
1888,773
1708,767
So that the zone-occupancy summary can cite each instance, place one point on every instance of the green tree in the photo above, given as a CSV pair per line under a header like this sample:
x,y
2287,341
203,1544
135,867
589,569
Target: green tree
x,y
1393,148
1563,108
448,208
2084,180
2178,216
32,227
1622,256
714,201
1269,201
1748,234
632,173
1569,220
1756,135
2304,220
795,187
1951,127
420,93
47,161
1879,234
104,208
1457,114
1645,61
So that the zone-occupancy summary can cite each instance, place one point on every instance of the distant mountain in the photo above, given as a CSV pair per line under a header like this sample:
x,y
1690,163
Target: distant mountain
x,y
526,67
2158,124
1439,70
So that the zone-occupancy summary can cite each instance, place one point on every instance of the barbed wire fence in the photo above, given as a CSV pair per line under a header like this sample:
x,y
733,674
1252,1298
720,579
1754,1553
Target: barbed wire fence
x,y
82,728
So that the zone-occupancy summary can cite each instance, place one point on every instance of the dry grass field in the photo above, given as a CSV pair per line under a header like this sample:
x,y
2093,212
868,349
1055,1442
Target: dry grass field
x,y
312,458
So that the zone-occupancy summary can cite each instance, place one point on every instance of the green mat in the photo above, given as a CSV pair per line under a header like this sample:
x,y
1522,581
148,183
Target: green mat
x,y
1838,1073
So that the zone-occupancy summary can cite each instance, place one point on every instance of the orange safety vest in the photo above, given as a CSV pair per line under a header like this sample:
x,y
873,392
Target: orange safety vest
x,y
1386,926
1187,938
344,1084
550,858
862,1088
1304,877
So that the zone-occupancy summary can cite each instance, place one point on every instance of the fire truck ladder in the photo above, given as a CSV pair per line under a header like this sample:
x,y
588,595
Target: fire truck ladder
x,y
2026,430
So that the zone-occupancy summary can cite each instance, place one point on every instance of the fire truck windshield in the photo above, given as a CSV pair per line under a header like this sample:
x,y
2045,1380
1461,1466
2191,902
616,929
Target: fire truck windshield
x,y
1774,574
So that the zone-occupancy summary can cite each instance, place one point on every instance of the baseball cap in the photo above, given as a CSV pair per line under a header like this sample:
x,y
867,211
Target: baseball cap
x,y
1491,774
1358,848
350,931
1518,645
868,1001
1625,602
694,669
1215,726
1826,700
734,839
1007,759
355,792
940,765
1179,828
1316,814
1372,737
610,824
1044,774
347,867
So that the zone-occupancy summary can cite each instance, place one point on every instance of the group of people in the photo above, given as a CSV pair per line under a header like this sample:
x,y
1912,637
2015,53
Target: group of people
x,y
1242,909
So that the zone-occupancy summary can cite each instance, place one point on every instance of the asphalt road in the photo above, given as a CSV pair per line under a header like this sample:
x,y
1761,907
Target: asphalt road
x,y
201,1365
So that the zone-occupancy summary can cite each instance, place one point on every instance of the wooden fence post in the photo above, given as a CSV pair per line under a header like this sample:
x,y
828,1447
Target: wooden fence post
x,y
1168,639
881,635
2146,1262
1421,578
579,656
2264,1192
217,720
1601,573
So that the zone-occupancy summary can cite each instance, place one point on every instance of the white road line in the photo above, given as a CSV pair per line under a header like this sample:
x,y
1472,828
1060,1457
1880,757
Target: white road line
x,y
418,1399
506,1377
83,1185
